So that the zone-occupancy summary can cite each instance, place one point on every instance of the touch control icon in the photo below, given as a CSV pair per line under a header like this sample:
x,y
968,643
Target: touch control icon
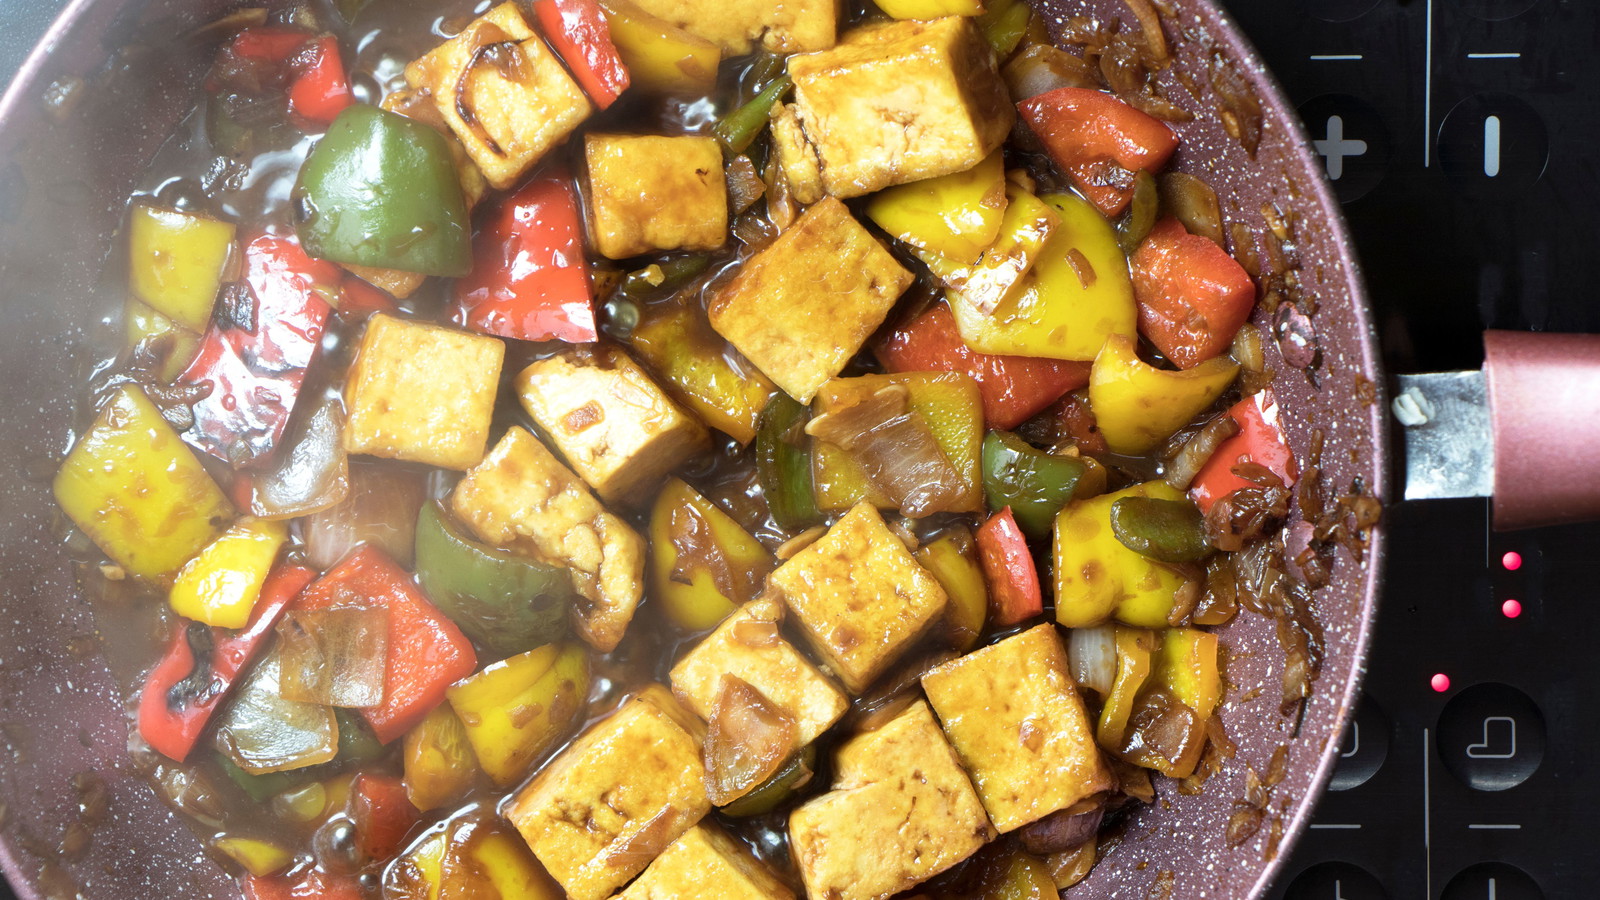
x,y
1351,138
1491,737
1499,739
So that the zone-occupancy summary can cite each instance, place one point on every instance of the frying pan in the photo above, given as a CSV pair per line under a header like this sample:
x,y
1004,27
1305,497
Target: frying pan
x,y
66,169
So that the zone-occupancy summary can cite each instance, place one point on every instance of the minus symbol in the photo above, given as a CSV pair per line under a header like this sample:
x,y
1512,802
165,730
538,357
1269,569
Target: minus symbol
x,y
1489,827
1338,57
1491,56
1320,826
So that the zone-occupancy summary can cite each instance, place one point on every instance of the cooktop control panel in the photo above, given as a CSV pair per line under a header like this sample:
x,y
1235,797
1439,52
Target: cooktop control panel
x,y
1460,136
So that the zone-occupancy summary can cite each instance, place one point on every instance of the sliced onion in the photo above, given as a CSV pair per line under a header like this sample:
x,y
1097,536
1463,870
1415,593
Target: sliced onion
x,y
1061,831
1155,39
1093,656
895,448
1191,201
309,475
745,186
262,732
380,510
750,738
335,656
698,550
1042,68
1181,470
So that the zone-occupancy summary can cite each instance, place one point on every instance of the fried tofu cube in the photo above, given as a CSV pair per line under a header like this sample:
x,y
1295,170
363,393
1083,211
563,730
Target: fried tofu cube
x,y
900,812
503,92
896,102
1019,726
794,26
706,862
747,645
521,497
649,193
614,425
859,596
803,306
606,806
796,157
422,393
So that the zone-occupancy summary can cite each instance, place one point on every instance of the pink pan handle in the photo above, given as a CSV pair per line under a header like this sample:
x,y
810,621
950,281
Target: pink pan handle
x,y
1544,408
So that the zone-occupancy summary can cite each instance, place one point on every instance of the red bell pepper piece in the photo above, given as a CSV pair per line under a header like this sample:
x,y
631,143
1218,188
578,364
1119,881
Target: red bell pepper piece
x,y
182,691
313,884
320,90
427,652
1260,440
1192,295
1099,142
270,44
256,363
578,30
383,814
1074,420
1013,388
1014,594
528,280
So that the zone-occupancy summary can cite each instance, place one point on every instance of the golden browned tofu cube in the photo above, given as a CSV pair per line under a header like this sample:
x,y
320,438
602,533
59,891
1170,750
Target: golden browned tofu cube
x,y
522,497
422,393
503,93
901,811
896,102
650,193
747,645
803,306
706,862
1019,726
793,26
614,425
859,596
618,796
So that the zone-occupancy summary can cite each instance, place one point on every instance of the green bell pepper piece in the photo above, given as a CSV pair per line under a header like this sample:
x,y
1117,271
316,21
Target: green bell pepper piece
x,y
382,190
262,787
784,467
357,743
1171,531
506,602
740,128
1035,484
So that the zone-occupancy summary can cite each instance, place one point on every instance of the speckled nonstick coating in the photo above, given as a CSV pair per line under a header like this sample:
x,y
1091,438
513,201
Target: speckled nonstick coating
x,y
64,178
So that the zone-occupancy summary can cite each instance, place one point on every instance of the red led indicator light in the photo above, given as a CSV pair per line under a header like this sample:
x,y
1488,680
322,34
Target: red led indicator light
x,y
1511,608
1512,561
1440,682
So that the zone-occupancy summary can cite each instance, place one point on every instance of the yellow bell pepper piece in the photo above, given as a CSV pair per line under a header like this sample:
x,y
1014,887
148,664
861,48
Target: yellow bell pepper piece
x,y
1135,649
176,261
949,558
1025,231
1077,295
518,708
700,604
259,858
504,859
930,9
178,345
423,866
221,585
1187,667
680,346
1097,578
1018,875
956,216
952,407
133,487
439,763
659,55
1137,405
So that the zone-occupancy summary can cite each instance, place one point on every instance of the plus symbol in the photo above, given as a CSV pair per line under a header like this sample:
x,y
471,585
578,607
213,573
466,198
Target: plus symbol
x,y
1336,147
